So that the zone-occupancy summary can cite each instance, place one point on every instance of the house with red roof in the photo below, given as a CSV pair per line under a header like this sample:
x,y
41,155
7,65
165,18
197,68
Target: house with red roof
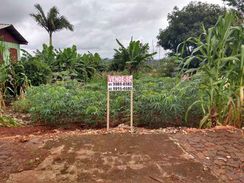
x,y
10,41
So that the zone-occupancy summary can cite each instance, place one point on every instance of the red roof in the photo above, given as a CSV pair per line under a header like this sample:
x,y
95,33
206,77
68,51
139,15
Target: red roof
x,y
10,28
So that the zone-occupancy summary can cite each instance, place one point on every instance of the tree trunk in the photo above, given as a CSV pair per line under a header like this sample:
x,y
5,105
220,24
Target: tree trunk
x,y
50,39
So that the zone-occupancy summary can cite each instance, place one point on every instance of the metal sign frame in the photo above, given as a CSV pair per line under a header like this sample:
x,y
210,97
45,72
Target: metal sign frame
x,y
122,86
242,105
242,95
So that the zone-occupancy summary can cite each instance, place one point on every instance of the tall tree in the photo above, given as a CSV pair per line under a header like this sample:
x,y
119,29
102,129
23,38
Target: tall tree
x,y
186,23
51,22
237,4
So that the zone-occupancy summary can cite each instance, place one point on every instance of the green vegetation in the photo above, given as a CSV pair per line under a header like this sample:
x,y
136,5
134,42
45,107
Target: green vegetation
x,y
187,23
13,82
132,58
218,50
6,121
197,84
159,102
62,102
38,72
168,67
53,65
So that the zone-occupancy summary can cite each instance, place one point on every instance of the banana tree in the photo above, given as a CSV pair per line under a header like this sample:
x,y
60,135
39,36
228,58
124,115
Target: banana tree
x,y
46,55
65,59
133,57
90,64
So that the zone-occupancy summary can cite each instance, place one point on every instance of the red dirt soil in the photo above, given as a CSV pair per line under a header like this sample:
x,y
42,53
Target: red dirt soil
x,y
42,155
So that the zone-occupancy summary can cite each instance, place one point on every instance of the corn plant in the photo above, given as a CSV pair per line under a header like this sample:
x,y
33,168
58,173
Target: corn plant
x,y
218,50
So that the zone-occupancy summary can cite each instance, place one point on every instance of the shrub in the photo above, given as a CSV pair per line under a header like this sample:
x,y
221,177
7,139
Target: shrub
x,y
22,105
37,72
163,102
158,102
168,67
66,64
62,102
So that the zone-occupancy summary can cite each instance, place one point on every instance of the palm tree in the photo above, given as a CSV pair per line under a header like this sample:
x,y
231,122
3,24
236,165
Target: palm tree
x,y
51,22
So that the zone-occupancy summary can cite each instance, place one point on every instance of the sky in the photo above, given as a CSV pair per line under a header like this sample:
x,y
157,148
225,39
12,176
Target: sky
x,y
97,23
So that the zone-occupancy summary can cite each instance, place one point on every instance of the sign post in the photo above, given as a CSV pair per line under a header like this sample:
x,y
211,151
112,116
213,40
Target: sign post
x,y
120,83
242,104
131,110
242,96
108,108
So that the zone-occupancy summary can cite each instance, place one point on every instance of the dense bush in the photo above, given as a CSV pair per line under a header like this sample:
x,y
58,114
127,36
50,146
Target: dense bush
x,y
37,72
159,102
66,64
162,102
59,103
168,67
